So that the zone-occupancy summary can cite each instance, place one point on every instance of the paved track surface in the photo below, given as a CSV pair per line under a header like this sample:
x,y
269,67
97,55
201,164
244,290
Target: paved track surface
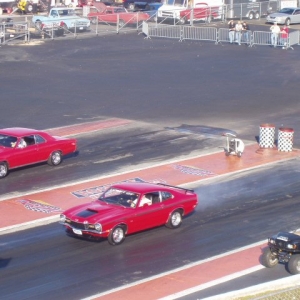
x,y
178,98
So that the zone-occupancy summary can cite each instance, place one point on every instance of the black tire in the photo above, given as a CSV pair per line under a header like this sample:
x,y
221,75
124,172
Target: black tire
x,y
288,22
256,15
55,158
28,8
38,25
293,265
131,6
268,259
251,16
117,236
94,20
175,219
121,23
65,28
3,169
239,154
182,21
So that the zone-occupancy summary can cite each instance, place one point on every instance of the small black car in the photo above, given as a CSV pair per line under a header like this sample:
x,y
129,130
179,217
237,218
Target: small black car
x,y
283,247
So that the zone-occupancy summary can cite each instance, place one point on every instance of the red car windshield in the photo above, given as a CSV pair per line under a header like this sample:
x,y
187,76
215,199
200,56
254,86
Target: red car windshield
x,y
8,141
119,197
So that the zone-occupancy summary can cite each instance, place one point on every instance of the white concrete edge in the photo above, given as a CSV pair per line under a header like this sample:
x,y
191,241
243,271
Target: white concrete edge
x,y
271,286
212,283
94,178
261,243
48,220
172,161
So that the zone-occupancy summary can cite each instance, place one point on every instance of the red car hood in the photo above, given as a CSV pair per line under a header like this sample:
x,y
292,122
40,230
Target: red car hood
x,y
95,212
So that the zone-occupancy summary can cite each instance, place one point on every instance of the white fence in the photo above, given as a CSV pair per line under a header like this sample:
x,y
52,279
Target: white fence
x,y
220,35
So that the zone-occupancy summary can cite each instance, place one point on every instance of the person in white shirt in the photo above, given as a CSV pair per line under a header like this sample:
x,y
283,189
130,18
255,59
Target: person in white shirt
x,y
238,32
145,200
275,29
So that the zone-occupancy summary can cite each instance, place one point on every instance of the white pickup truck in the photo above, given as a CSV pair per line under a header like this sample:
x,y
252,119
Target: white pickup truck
x,y
61,18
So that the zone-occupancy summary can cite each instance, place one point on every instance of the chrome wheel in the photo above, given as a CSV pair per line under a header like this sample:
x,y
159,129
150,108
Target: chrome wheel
x,y
3,170
117,235
175,219
55,158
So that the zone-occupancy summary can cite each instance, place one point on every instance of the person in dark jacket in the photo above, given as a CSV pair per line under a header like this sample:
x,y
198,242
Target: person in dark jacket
x,y
231,26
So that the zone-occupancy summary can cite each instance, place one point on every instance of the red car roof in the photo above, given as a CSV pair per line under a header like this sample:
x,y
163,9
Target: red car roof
x,y
18,131
143,187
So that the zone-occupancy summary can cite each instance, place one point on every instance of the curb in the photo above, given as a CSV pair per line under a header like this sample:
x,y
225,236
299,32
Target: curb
x,y
272,286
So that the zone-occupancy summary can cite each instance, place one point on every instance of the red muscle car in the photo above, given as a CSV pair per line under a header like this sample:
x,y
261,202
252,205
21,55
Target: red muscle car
x,y
117,15
22,146
201,12
127,208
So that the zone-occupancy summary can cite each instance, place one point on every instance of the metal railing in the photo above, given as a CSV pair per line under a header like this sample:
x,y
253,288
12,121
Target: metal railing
x,y
14,31
221,35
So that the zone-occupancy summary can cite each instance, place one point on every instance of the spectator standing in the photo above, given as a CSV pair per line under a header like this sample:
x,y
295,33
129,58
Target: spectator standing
x,y
245,32
275,29
231,26
284,36
238,32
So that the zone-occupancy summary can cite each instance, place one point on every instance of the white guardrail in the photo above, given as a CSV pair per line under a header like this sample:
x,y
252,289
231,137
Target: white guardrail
x,y
27,31
220,35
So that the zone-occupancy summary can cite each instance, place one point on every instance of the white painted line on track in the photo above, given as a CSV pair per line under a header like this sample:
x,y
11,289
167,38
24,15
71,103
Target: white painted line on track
x,y
213,283
271,286
261,243
94,178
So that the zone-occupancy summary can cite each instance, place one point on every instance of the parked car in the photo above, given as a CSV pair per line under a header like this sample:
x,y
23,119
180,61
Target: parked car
x,y
201,12
287,16
283,247
21,147
61,18
117,14
143,4
127,208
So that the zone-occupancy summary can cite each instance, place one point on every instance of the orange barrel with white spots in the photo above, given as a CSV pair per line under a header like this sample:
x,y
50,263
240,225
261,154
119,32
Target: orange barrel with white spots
x,y
267,136
285,139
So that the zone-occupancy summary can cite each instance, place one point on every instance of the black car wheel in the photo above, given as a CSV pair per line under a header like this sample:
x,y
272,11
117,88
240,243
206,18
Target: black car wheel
x,y
121,23
55,158
288,22
131,6
175,219
293,265
251,16
117,236
3,169
94,20
268,259
38,25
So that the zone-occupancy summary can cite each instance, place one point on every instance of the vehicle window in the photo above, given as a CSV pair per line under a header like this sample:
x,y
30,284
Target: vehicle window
x,y
120,197
7,141
54,13
166,196
154,196
297,12
39,139
119,10
287,11
29,140
175,2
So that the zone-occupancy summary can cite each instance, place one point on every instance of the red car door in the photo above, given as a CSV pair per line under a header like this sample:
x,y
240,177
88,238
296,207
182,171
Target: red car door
x,y
24,155
149,216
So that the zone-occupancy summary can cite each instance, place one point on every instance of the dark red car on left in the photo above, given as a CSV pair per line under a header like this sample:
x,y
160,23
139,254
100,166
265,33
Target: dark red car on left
x,y
22,146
